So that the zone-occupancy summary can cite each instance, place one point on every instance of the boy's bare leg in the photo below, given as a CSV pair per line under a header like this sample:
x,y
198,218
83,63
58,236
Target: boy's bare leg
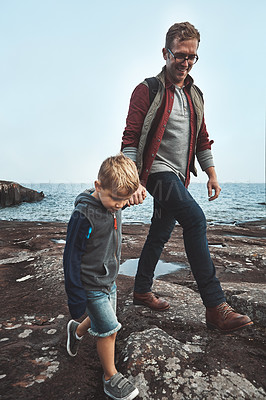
x,y
105,348
106,352
83,327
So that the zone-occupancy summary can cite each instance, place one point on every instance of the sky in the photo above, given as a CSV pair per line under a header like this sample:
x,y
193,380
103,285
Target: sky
x,y
68,68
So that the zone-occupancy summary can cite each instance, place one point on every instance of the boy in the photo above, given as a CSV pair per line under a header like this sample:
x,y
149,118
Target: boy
x,y
91,263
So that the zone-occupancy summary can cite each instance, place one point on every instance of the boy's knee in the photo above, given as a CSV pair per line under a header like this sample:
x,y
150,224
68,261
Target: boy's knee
x,y
112,336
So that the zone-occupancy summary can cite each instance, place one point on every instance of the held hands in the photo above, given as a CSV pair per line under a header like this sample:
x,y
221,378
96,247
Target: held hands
x,y
212,184
138,197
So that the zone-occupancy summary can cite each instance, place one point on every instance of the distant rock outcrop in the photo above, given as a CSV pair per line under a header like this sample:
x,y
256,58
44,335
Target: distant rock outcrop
x,y
11,193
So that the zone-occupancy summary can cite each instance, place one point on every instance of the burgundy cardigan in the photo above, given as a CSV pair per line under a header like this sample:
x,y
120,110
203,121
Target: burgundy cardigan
x,y
138,108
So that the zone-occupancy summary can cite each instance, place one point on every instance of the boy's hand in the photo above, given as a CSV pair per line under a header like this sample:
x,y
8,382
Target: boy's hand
x,y
138,197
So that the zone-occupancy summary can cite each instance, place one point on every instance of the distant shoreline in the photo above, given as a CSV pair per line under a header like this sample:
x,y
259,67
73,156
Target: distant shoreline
x,y
238,203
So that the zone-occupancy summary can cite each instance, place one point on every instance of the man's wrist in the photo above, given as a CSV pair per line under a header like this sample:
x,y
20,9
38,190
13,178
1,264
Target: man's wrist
x,y
211,173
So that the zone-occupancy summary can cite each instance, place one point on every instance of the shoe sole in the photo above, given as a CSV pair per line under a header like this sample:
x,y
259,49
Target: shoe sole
x,y
68,339
139,303
131,396
214,327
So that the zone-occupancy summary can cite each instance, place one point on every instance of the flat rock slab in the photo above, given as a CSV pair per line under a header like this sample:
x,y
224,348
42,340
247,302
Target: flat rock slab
x,y
179,356
165,368
249,298
172,355
186,307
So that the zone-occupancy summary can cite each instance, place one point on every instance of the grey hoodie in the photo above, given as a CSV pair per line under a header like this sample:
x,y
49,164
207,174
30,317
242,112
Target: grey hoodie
x,y
100,262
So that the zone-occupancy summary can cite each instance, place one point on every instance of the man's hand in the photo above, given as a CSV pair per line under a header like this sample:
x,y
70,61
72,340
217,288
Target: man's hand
x,y
212,184
138,197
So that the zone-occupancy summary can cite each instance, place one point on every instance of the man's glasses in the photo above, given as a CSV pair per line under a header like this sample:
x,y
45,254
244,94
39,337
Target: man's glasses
x,y
181,57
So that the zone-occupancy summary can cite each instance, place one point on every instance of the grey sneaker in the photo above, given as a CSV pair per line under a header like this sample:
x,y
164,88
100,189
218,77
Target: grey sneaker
x,y
119,388
72,341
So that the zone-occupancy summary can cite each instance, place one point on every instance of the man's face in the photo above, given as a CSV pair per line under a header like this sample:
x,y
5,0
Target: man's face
x,y
177,71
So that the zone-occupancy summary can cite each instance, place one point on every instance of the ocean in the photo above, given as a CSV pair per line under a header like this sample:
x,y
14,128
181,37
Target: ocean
x,y
238,202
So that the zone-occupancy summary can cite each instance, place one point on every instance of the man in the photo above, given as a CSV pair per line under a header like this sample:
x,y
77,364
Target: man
x,y
163,136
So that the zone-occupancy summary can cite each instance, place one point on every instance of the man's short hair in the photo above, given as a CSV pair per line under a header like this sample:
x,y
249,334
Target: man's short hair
x,y
182,31
119,174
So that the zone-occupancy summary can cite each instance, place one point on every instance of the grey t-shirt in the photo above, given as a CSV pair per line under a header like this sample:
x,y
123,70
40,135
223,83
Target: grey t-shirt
x,y
173,151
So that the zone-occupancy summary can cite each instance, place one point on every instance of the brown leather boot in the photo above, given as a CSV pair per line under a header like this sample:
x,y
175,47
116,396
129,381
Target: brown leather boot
x,y
225,319
150,300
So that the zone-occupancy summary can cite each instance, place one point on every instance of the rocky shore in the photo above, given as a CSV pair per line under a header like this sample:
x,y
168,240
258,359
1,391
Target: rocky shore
x,y
169,355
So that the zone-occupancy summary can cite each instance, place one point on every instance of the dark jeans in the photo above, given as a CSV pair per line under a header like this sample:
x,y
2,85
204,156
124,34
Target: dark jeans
x,y
172,202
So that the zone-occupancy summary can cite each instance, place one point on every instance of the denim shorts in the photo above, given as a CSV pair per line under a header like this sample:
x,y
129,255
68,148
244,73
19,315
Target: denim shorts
x,y
101,309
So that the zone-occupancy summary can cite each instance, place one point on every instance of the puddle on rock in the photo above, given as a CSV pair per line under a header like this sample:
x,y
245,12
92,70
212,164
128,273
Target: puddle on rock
x,y
59,241
129,267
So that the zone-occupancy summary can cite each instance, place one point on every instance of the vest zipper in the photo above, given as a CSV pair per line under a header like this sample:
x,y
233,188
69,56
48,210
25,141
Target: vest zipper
x,y
115,222
116,238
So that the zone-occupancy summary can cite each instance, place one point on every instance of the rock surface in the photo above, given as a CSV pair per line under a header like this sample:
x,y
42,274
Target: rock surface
x,y
11,193
169,355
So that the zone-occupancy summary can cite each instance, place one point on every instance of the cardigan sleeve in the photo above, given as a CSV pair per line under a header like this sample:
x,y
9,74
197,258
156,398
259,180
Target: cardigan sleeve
x,y
203,141
138,108
78,231
205,159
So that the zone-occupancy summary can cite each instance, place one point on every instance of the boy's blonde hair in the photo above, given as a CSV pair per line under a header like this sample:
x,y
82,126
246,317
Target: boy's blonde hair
x,y
119,174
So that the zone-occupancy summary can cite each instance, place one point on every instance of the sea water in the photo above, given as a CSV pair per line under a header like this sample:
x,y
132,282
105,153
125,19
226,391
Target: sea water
x,y
238,202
